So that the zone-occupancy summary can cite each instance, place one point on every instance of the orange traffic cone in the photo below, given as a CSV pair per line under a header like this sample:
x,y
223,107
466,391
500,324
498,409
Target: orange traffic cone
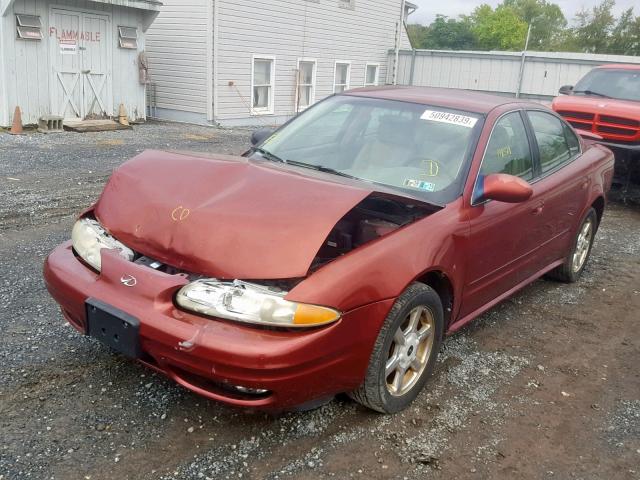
x,y
16,128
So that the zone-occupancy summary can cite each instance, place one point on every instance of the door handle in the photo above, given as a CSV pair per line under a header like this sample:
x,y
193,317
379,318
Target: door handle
x,y
585,183
537,210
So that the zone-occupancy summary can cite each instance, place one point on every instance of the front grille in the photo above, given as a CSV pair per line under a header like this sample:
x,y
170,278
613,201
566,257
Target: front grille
x,y
580,115
580,125
620,121
617,130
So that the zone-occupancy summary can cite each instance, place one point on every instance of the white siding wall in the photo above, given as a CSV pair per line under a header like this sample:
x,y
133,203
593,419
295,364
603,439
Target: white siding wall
x,y
27,66
177,50
288,30
498,72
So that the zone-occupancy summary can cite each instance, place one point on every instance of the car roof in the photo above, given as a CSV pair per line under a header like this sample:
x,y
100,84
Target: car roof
x,y
620,66
467,100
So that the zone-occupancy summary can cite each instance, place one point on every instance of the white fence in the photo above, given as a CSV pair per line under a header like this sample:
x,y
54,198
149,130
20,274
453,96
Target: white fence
x,y
499,72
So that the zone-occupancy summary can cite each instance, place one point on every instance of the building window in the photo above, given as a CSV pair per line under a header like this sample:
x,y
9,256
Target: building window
x,y
262,85
29,27
341,77
128,38
371,75
306,83
350,4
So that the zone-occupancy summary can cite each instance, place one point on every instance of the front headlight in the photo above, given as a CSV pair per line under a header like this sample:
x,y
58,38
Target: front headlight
x,y
89,238
250,303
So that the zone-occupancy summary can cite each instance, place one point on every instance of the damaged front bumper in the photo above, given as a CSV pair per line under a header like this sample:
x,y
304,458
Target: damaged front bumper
x,y
221,360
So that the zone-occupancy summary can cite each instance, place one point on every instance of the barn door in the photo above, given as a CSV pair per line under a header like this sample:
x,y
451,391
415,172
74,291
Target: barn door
x,y
80,53
66,84
95,67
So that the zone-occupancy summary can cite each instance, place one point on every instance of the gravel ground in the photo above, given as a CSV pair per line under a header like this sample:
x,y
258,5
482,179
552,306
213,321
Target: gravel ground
x,y
546,385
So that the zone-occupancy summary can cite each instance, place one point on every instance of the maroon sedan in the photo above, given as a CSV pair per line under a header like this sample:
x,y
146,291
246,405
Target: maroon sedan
x,y
336,253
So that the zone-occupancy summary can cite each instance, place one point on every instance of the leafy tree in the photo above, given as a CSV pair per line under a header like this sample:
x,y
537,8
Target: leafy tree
x,y
546,19
625,36
450,34
594,28
499,29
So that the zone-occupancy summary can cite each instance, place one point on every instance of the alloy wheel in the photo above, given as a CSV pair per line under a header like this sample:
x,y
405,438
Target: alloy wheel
x,y
410,351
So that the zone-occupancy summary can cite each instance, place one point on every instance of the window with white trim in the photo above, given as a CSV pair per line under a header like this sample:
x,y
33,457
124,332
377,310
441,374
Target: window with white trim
x,y
306,83
262,85
371,74
342,76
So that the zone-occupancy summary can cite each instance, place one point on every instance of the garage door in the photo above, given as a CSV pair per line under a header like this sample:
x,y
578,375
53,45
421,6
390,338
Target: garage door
x,y
80,60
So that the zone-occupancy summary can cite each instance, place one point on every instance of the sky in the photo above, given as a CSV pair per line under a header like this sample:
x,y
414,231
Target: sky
x,y
452,8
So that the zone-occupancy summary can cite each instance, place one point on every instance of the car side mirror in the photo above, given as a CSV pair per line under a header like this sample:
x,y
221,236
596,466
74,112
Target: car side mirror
x,y
259,135
502,187
566,90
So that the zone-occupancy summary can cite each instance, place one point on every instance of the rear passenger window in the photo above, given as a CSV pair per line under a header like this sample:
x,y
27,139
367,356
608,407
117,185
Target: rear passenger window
x,y
572,140
555,145
508,149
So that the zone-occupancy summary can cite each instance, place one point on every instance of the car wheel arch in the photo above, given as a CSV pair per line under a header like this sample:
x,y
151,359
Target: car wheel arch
x,y
444,287
598,205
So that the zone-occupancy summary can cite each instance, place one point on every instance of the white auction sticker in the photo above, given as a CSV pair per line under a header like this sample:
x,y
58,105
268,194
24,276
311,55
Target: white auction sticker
x,y
448,117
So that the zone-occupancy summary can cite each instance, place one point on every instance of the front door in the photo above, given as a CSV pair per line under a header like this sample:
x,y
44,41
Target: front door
x,y
80,59
503,237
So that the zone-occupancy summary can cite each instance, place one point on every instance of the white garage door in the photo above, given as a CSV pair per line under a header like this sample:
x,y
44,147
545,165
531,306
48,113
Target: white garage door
x,y
80,59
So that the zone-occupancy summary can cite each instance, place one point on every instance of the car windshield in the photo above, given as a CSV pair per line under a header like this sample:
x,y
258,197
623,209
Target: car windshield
x,y
418,149
619,84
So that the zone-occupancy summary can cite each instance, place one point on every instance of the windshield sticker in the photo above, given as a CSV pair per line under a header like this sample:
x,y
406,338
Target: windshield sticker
x,y
451,118
420,185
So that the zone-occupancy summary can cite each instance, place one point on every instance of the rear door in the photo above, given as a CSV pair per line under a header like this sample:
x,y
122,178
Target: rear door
x,y
563,186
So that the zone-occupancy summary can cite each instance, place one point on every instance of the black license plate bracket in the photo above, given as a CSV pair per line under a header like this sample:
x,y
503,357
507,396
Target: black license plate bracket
x,y
113,327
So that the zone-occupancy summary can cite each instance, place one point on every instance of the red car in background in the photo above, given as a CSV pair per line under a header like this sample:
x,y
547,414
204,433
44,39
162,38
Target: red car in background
x,y
606,102
336,253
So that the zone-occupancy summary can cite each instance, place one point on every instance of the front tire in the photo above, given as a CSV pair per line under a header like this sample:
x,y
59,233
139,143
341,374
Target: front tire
x,y
405,351
574,263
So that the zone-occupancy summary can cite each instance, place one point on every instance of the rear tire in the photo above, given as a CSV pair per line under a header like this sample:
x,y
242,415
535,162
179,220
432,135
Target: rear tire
x,y
574,263
405,351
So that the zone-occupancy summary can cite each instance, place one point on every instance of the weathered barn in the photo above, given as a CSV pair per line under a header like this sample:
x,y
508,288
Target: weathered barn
x,y
236,62
73,58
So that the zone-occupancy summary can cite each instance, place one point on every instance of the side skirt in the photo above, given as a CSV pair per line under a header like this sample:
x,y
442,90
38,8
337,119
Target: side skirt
x,y
458,324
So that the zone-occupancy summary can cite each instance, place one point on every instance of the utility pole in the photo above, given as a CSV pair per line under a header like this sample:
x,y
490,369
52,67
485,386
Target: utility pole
x,y
524,56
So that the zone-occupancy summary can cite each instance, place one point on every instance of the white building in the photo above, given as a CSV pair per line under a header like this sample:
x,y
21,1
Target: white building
x,y
238,62
74,58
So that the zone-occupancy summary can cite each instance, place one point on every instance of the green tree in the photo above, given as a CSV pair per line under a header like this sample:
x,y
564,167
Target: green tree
x,y
593,28
625,36
450,34
546,19
499,29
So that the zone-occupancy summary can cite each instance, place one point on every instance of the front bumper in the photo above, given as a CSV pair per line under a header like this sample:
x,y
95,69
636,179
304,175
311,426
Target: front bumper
x,y
207,355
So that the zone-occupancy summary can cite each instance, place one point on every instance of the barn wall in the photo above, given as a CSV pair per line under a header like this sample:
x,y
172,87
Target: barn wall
x,y
177,50
289,30
498,72
28,70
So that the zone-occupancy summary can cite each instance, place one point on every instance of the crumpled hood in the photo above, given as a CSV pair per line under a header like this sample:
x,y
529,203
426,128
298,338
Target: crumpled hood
x,y
222,216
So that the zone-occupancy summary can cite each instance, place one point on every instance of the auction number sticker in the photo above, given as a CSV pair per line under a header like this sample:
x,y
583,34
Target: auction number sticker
x,y
448,117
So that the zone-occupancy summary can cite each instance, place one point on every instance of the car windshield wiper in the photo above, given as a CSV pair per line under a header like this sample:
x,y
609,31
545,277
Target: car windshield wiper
x,y
591,92
268,155
320,168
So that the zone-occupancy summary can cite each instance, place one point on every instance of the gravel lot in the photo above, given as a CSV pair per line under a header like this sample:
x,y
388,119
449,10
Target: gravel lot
x,y
546,385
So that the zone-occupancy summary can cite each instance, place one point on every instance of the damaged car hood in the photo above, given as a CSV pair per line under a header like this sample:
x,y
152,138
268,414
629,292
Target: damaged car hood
x,y
221,216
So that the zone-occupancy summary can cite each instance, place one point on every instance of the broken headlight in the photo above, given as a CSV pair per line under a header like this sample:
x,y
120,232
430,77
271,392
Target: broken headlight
x,y
251,303
89,238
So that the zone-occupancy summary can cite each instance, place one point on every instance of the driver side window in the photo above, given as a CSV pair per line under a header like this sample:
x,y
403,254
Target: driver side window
x,y
508,149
